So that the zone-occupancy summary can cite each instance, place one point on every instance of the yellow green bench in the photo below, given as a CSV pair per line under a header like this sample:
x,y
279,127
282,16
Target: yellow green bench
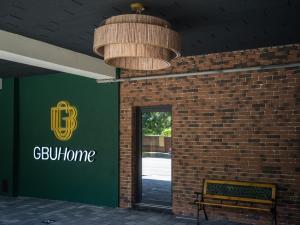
x,y
259,197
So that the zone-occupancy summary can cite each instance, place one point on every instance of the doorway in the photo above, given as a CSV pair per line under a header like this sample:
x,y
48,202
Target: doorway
x,y
154,156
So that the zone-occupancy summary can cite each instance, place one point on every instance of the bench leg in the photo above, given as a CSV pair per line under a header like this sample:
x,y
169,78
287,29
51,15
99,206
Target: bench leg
x,y
198,214
274,217
205,212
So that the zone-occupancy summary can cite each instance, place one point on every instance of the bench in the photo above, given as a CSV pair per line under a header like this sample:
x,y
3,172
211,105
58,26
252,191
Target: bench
x,y
237,194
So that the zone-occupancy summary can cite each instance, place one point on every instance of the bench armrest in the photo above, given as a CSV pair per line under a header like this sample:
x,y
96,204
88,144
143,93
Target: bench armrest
x,y
198,196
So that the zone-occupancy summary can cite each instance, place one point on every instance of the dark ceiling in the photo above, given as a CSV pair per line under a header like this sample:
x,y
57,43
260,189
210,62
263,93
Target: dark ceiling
x,y
206,26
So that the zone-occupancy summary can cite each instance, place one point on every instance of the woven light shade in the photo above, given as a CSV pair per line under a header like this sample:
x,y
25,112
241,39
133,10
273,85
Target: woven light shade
x,y
137,42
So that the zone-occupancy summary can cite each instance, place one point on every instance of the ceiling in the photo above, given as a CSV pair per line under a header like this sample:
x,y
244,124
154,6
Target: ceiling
x,y
206,26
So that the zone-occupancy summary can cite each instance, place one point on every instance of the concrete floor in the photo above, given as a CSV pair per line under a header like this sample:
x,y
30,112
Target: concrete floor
x,y
34,211
156,182
157,192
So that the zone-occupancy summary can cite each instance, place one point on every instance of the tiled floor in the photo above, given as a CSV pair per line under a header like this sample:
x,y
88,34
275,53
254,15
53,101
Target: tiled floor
x,y
34,211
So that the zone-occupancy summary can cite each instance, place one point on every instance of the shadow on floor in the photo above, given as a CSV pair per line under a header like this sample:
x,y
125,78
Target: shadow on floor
x,y
34,211
156,192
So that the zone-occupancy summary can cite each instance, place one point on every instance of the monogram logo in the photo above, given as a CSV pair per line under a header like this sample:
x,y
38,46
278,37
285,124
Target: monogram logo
x,y
63,120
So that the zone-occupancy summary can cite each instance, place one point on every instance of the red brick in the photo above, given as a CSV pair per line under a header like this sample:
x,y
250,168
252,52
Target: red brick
x,y
241,126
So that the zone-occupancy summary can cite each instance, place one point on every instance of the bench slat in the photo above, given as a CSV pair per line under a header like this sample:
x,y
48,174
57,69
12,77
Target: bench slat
x,y
238,199
245,183
235,206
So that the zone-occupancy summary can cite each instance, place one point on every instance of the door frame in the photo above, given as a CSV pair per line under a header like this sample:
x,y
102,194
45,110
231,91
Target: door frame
x,y
139,111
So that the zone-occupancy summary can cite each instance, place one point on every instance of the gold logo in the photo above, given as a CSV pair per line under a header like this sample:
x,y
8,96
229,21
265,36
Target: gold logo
x,y
63,120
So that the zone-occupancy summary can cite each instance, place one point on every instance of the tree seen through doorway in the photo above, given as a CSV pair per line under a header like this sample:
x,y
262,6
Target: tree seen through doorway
x,y
157,123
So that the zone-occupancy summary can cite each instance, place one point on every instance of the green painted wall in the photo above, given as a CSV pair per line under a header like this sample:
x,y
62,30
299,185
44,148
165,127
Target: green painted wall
x,y
97,107
6,134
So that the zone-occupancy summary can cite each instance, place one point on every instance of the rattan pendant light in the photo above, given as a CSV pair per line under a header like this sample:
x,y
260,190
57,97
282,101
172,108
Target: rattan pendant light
x,y
136,41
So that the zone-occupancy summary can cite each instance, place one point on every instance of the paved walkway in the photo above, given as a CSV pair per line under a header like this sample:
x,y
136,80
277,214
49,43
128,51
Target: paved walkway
x,y
34,211
156,182
156,168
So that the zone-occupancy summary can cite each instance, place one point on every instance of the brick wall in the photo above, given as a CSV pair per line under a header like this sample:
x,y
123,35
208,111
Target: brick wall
x,y
237,126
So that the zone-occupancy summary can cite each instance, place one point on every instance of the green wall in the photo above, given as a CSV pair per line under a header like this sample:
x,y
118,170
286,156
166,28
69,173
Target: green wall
x,y
6,134
97,106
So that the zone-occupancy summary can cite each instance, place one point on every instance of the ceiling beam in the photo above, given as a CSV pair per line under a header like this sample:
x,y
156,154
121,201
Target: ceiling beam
x,y
203,73
20,49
